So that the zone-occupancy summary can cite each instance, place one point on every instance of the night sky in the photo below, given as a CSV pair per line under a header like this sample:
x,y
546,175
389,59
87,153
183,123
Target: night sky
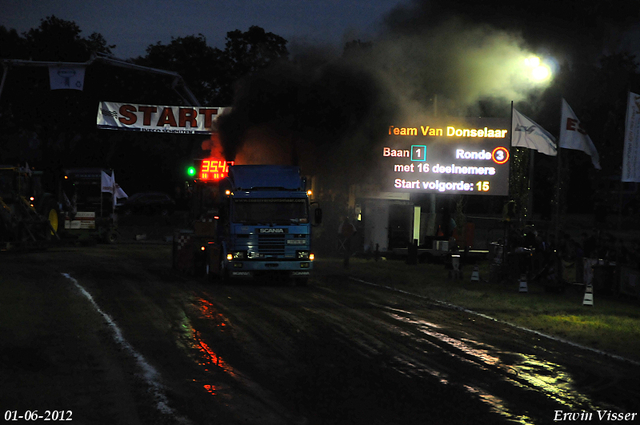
x,y
132,25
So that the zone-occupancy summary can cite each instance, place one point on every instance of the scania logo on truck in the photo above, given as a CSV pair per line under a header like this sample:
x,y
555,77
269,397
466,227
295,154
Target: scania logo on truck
x,y
270,230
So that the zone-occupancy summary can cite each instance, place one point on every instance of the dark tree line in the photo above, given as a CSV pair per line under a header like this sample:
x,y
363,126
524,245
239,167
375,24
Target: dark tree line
x,y
54,40
56,129
211,72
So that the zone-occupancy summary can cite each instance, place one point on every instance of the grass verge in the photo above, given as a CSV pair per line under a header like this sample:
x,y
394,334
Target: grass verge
x,y
611,325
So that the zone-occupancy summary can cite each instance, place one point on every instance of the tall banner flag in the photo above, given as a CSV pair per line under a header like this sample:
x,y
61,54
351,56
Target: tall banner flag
x,y
527,134
158,118
573,136
118,192
631,155
109,185
66,77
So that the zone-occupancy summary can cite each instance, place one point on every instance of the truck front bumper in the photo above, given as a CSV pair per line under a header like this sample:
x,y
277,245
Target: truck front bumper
x,y
255,268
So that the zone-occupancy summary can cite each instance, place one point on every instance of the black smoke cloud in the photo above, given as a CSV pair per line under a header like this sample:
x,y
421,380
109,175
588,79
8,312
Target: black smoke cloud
x,y
327,112
459,58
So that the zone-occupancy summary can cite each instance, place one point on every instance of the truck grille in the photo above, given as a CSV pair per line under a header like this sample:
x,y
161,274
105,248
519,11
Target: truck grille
x,y
271,244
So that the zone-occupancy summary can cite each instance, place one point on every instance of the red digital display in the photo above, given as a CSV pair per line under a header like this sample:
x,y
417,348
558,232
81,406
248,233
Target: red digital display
x,y
214,169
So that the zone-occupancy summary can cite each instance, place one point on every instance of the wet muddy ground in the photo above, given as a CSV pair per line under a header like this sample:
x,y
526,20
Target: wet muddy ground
x,y
114,335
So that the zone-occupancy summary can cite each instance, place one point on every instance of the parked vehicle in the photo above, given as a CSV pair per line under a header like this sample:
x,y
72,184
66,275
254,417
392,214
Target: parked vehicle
x,y
86,196
28,216
150,203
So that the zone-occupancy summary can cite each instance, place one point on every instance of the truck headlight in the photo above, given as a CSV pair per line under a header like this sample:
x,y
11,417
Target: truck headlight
x,y
302,255
239,255
236,255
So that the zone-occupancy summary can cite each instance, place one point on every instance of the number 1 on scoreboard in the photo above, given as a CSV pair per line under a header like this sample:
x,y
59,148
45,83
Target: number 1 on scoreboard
x,y
418,153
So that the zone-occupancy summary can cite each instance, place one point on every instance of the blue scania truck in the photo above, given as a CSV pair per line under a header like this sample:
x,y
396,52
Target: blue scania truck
x,y
258,225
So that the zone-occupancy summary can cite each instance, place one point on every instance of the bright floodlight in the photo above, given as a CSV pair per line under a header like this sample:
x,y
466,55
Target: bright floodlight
x,y
539,71
532,61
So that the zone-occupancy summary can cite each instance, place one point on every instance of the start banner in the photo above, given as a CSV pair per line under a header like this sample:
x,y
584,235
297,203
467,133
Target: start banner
x,y
158,119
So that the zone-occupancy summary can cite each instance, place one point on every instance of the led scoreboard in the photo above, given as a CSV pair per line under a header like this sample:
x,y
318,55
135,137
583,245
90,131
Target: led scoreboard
x,y
468,156
212,169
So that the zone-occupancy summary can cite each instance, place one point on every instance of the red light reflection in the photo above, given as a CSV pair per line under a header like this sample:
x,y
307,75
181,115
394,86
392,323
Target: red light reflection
x,y
208,357
211,358
211,389
208,311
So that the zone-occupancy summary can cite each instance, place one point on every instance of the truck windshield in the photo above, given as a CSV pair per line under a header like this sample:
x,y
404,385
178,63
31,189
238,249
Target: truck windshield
x,y
87,196
270,210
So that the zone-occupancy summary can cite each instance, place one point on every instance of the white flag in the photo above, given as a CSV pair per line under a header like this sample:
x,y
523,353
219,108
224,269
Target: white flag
x,y
66,77
527,134
107,183
118,192
631,155
573,136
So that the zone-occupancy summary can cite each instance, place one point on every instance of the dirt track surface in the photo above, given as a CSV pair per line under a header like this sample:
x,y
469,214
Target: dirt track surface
x,y
115,336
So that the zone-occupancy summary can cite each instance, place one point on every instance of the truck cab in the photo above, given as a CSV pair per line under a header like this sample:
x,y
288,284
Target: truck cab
x,y
265,223
249,221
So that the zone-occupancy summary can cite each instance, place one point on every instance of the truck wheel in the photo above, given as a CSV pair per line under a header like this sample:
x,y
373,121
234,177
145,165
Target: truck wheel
x,y
225,279
222,275
50,212
111,237
53,219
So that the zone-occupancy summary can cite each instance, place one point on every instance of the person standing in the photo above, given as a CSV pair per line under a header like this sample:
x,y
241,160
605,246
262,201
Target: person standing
x,y
346,231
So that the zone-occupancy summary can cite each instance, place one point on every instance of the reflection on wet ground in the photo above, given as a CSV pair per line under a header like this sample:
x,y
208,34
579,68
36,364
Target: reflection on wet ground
x,y
370,366
208,311
199,350
523,371
209,356
498,406
553,379
240,394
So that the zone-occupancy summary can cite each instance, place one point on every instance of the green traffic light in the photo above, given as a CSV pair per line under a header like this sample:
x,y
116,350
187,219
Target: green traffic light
x,y
191,171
